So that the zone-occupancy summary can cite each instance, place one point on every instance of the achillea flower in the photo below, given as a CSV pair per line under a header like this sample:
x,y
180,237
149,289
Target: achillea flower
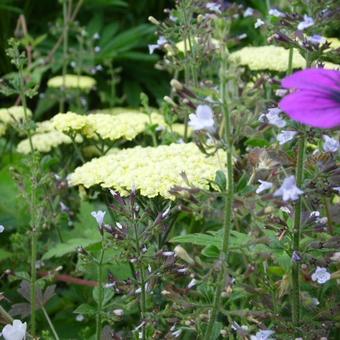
x,y
72,81
126,125
273,58
12,114
152,170
45,142
73,122
316,99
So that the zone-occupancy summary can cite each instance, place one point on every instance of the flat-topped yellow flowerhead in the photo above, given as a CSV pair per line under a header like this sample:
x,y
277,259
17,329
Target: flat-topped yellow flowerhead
x,y
126,125
273,58
44,142
72,81
151,170
13,114
73,122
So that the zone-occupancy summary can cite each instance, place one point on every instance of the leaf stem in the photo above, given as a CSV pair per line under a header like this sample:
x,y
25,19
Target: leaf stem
x,y
65,47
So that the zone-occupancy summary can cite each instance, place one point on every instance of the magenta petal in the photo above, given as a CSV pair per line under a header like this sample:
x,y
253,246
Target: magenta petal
x,y
311,108
313,79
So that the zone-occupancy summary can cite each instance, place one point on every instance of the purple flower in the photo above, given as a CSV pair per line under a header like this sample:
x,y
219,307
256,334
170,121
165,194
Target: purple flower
x,y
316,99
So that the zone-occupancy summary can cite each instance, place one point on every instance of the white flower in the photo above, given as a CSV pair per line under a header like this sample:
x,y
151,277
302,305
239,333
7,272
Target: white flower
x,y
192,283
285,136
16,331
99,216
335,257
177,333
97,49
281,92
307,22
321,275
276,13
321,220
248,12
315,301
118,312
96,36
314,214
258,23
273,117
337,189
242,36
289,190
263,186
212,6
203,119
160,42
316,39
285,210
262,335
2,228
80,317
331,144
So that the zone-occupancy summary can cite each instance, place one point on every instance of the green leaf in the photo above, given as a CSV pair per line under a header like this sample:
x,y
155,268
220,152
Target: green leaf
x,y
107,296
4,254
85,309
221,180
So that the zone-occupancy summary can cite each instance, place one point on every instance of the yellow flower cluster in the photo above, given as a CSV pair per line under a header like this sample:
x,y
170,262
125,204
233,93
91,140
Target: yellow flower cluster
x,y
272,58
152,170
44,142
13,114
72,81
126,125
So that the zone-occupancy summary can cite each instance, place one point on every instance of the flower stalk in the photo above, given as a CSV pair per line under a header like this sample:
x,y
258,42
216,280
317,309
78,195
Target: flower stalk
x,y
229,196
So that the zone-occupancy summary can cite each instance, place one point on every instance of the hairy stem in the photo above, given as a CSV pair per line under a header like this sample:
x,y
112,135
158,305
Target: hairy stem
x,y
65,47
297,232
142,280
100,291
227,225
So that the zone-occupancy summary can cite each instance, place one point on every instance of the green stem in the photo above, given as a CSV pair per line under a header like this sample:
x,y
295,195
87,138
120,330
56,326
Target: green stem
x,y
142,280
50,323
227,225
329,216
33,279
297,231
290,61
100,291
65,48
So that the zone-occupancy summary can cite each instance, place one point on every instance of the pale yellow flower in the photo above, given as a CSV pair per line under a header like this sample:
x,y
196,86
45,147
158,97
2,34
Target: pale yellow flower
x,y
44,142
335,43
72,81
13,114
151,170
272,58
73,122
